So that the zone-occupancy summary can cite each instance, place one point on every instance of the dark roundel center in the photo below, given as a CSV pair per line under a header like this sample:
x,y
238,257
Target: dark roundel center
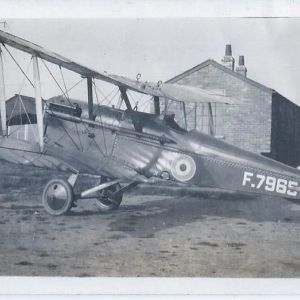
x,y
182,167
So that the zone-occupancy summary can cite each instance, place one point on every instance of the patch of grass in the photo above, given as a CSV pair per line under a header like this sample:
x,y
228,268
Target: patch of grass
x,y
44,254
117,236
148,236
207,244
51,266
193,248
84,275
24,263
22,248
236,245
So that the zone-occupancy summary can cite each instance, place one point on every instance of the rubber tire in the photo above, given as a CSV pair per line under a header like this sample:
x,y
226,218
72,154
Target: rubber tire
x,y
103,206
69,197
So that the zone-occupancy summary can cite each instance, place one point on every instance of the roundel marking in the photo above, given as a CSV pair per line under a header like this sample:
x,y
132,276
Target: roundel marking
x,y
183,168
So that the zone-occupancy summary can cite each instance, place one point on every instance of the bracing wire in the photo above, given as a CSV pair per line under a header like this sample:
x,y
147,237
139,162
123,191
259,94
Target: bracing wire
x,y
21,101
21,87
144,101
18,65
11,113
132,98
20,110
56,82
66,91
186,114
98,102
63,79
144,104
97,145
23,81
106,97
68,134
113,97
72,87
104,139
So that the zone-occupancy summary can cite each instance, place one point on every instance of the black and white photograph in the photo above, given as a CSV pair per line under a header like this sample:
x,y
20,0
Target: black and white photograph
x,y
150,147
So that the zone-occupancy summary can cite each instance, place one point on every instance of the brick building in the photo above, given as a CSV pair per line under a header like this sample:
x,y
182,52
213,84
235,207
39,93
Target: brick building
x,y
260,120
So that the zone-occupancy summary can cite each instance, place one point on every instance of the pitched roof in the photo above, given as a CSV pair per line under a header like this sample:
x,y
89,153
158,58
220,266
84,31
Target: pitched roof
x,y
20,109
222,68
19,103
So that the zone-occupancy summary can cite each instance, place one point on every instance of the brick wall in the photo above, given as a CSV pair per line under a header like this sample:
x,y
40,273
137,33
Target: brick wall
x,y
246,124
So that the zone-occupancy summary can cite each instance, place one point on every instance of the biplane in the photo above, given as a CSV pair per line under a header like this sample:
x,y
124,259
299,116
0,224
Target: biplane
x,y
124,148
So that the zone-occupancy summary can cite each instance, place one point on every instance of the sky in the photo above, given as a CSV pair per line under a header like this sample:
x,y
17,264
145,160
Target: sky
x,y
160,48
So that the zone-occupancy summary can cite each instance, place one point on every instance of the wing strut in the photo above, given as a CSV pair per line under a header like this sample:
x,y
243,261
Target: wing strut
x,y
184,115
156,105
2,96
38,101
125,97
211,120
90,97
195,115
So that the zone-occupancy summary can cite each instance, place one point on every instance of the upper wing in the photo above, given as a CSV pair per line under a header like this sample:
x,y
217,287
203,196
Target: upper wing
x,y
170,91
193,94
31,48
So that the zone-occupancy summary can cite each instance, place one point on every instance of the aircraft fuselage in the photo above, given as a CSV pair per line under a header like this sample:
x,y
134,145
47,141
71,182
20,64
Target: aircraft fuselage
x,y
153,146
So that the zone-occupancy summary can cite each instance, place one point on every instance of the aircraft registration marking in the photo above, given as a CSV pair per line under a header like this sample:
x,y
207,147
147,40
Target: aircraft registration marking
x,y
270,183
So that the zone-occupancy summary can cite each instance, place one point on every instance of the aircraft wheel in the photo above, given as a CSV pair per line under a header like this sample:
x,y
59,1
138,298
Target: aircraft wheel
x,y
57,197
106,202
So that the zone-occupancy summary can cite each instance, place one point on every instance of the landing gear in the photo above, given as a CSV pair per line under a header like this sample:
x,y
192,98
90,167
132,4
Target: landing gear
x,y
58,197
107,200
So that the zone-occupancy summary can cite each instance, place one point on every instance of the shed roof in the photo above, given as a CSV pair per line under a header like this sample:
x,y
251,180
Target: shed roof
x,y
222,68
20,109
18,103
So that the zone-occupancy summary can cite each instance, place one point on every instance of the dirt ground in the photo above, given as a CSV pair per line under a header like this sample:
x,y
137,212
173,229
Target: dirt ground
x,y
157,231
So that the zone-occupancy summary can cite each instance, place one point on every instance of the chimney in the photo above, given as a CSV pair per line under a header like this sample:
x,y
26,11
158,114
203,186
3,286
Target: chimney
x,y
241,69
228,60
